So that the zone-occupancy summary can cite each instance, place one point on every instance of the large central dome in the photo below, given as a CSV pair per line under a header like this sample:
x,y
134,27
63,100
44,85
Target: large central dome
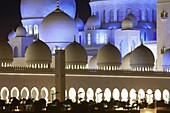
x,y
58,28
41,8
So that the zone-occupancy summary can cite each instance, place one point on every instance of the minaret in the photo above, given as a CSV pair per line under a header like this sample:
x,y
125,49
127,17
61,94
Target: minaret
x,y
163,32
60,75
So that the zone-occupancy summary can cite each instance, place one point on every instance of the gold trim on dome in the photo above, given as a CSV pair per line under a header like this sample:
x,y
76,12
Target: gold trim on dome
x,y
58,10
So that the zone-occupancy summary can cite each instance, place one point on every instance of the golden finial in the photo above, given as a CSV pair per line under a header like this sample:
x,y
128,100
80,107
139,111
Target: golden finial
x,y
74,38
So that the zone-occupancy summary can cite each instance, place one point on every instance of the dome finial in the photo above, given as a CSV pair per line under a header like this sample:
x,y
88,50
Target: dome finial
x,y
13,30
74,38
38,38
58,8
77,16
93,13
141,41
57,4
131,48
20,24
108,40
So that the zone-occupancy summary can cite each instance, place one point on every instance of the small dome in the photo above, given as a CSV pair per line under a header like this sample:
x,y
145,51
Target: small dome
x,y
93,62
38,53
127,24
108,55
12,34
126,61
165,60
132,17
80,24
21,31
93,22
58,27
142,56
75,54
6,53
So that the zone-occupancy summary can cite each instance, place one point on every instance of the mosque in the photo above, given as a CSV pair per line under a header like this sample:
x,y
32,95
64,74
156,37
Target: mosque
x,y
121,52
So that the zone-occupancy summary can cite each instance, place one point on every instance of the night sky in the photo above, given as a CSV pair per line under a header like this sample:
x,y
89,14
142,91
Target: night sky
x,y
10,16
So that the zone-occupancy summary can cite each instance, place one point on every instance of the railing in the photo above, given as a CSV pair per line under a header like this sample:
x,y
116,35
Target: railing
x,y
18,69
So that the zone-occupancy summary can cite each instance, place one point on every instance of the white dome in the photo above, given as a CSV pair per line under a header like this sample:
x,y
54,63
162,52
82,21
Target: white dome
x,y
12,34
75,54
127,24
41,8
21,31
142,56
38,53
133,19
165,60
80,24
58,27
109,55
93,62
6,52
93,22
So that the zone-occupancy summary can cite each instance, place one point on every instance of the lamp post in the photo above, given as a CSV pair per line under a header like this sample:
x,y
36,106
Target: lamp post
x,y
53,94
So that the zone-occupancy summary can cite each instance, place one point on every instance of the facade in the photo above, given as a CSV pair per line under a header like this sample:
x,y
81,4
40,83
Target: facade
x,y
115,54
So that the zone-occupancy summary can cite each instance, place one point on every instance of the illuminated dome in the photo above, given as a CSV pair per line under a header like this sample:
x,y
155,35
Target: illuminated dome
x,y
80,24
142,57
132,18
6,54
126,61
93,62
165,60
21,31
41,8
38,55
108,55
76,54
127,24
58,27
12,34
93,22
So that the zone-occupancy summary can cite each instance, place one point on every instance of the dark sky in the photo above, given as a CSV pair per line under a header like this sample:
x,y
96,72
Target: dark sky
x,y
10,16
